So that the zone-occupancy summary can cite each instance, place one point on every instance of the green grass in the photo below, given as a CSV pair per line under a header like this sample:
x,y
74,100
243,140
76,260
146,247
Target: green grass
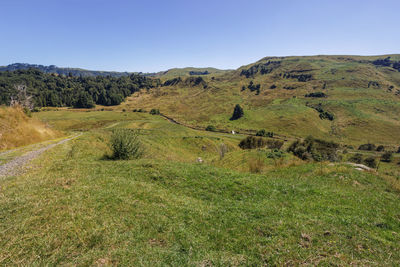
x,y
75,207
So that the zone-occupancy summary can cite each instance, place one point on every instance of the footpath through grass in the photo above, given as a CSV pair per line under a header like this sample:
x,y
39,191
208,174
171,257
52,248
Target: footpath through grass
x,y
78,208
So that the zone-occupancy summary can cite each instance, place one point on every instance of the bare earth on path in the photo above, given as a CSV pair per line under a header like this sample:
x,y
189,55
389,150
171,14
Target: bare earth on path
x,y
16,165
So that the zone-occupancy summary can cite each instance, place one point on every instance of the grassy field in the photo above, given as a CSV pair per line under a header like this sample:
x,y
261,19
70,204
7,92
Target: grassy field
x,y
77,207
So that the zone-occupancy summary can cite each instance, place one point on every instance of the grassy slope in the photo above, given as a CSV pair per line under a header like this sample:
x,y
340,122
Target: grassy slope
x,y
186,72
17,129
362,113
79,208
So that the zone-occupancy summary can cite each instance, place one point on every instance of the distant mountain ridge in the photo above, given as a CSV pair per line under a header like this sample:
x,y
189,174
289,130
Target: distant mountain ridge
x,y
93,73
63,71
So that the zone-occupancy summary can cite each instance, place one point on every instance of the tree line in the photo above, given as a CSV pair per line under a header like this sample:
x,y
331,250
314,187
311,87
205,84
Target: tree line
x,y
53,90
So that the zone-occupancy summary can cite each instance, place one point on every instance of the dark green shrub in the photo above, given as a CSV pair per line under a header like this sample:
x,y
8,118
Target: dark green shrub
x,y
155,111
261,133
275,154
380,148
125,144
357,158
252,142
36,109
387,156
264,133
370,162
368,147
316,149
274,144
316,94
211,128
326,115
237,113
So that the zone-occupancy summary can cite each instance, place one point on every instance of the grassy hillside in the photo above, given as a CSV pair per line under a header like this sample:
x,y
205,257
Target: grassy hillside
x,y
361,93
190,71
17,129
77,207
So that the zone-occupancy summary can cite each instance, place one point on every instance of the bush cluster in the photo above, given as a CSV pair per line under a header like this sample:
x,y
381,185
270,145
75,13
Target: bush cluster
x,y
264,133
252,142
275,154
316,94
368,147
358,158
274,144
314,149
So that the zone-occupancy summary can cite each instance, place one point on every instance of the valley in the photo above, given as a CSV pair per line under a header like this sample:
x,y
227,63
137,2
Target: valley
x,y
210,188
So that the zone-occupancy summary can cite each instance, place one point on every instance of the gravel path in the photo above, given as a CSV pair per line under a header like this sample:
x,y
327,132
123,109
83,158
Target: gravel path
x,y
15,166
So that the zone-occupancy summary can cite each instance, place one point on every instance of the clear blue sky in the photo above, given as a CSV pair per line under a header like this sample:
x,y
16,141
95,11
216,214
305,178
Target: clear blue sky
x,y
154,35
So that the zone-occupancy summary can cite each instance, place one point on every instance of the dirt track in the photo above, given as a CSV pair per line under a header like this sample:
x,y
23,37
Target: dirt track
x,y
15,166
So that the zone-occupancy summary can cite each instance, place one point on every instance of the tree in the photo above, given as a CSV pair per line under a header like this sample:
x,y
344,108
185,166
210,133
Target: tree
x,y
237,113
84,101
21,98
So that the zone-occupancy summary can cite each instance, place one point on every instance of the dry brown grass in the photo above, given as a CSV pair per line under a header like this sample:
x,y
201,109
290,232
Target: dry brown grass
x,y
17,129
256,165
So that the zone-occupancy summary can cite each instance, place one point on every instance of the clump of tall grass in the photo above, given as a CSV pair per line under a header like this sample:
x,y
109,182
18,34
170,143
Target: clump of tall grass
x,y
125,144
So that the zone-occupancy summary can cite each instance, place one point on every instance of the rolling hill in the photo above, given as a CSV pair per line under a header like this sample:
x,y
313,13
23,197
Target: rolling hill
x,y
351,99
190,71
